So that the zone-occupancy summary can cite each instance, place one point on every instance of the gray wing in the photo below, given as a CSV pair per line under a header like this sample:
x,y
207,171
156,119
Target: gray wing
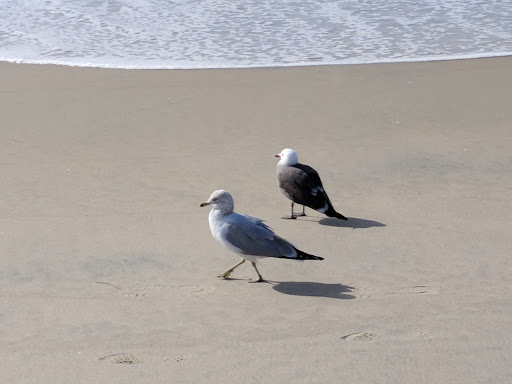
x,y
302,185
253,237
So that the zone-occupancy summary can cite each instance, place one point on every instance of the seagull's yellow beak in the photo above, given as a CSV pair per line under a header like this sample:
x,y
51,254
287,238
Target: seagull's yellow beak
x,y
204,204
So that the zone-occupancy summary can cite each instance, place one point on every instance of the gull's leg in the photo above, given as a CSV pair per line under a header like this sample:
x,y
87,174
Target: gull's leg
x,y
226,274
303,211
260,278
292,216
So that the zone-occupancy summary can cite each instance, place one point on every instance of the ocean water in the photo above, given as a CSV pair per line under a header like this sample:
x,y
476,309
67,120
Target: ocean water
x,y
250,33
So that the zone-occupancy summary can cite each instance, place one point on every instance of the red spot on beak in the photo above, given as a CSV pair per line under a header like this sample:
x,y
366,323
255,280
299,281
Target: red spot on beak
x,y
278,155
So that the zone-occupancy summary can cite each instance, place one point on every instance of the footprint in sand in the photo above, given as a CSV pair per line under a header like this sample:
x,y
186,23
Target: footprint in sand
x,y
138,290
415,290
360,336
122,358
175,358
144,289
423,335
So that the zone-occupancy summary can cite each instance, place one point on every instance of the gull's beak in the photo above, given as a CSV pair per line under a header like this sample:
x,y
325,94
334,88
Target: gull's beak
x,y
204,204
278,155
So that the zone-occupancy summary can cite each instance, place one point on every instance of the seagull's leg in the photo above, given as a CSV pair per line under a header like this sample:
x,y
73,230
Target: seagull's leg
x,y
226,274
303,211
260,278
293,216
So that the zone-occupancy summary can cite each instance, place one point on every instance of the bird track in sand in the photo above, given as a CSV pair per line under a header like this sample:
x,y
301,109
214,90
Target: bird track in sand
x,y
144,289
371,336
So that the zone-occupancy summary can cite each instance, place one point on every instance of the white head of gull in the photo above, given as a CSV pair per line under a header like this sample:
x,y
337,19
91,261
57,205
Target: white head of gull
x,y
222,201
288,157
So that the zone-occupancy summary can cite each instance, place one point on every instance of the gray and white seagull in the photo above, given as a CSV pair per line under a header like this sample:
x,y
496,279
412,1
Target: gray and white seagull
x,y
247,235
302,185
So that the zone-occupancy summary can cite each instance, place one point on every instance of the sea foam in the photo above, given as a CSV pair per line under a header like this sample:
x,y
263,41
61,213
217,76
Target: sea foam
x,y
156,34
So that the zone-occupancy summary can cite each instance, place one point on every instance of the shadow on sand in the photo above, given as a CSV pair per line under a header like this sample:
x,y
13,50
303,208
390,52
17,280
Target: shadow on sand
x,y
352,222
298,288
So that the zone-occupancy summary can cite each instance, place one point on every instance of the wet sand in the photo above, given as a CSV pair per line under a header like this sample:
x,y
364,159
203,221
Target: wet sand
x,y
108,268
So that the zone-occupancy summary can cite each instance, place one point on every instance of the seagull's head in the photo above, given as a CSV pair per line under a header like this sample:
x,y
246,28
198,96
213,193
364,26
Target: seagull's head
x,y
288,157
221,200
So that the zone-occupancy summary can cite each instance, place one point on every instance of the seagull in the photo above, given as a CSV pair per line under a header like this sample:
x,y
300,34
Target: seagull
x,y
302,185
247,235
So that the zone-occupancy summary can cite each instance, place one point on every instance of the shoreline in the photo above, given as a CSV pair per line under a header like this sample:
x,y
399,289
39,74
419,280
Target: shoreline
x,y
270,66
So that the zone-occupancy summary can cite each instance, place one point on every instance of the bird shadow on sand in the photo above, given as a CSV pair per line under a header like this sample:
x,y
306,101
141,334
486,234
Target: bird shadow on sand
x,y
352,222
299,288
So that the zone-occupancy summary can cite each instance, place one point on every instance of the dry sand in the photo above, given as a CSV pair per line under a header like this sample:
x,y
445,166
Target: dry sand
x,y
108,269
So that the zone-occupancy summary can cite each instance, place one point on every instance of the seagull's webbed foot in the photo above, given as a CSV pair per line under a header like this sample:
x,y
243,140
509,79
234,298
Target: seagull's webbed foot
x,y
226,274
260,280
292,216
303,211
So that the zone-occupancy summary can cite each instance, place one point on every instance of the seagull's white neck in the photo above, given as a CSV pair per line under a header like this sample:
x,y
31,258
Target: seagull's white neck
x,y
221,210
288,160
216,219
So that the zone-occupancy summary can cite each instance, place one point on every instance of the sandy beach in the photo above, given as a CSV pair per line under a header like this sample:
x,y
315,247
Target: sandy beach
x,y
108,270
